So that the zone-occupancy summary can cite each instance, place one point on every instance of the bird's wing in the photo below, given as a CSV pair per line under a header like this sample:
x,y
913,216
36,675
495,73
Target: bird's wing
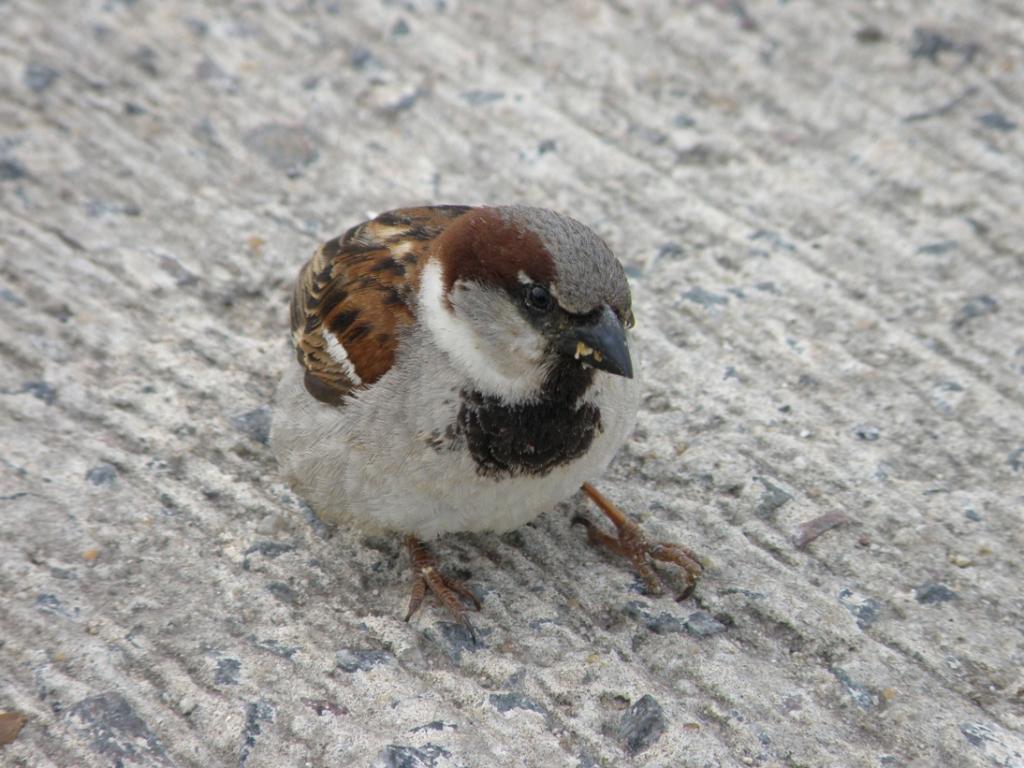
x,y
356,293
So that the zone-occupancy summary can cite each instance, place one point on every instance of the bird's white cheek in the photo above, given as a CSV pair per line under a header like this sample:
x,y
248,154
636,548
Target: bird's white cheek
x,y
529,345
506,364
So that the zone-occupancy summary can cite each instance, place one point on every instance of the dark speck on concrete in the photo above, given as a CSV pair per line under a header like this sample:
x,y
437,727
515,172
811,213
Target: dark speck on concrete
x,y
269,549
227,671
11,170
546,146
930,44
52,604
282,592
704,298
1016,459
931,593
456,638
394,756
114,731
286,148
38,77
400,28
864,609
683,120
661,624
40,390
10,297
434,725
772,240
642,725
773,499
183,276
867,433
869,35
102,474
363,58
255,423
276,648
703,624
360,659
977,734
670,251
405,102
506,702
979,306
476,98
939,248
145,59
997,122
257,712
862,696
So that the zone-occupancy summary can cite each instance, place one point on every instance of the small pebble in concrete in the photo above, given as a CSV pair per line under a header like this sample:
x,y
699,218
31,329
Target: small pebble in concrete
x,y
456,638
864,609
506,702
931,593
703,624
395,756
862,696
227,671
102,474
867,433
255,713
360,659
704,298
642,725
38,77
975,308
11,170
997,121
112,729
255,423
773,499
40,390
1016,459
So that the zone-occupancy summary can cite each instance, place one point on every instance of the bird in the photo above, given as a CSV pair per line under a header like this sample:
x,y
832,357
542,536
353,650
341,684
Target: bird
x,y
462,369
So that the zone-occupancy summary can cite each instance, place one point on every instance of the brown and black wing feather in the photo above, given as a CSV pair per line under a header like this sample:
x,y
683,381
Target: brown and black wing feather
x,y
358,290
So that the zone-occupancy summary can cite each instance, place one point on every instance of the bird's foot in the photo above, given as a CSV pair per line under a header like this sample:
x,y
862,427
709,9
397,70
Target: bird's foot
x,y
633,544
448,590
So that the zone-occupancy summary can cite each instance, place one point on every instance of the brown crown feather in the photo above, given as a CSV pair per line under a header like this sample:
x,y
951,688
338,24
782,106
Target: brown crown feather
x,y
484,247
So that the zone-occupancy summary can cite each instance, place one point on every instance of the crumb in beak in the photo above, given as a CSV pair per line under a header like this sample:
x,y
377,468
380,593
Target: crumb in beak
x,y
582,350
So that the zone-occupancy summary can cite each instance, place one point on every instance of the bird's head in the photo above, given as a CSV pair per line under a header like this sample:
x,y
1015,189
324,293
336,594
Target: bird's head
x,y
513,293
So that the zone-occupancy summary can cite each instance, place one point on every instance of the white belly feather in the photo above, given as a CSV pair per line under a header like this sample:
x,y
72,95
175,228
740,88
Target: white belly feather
x,y
370,462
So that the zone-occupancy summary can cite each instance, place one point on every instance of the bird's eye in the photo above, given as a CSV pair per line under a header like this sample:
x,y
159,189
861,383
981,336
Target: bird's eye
x,y
538,298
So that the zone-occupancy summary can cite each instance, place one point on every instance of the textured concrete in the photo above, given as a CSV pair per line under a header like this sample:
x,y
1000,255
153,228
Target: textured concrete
x,y
820,206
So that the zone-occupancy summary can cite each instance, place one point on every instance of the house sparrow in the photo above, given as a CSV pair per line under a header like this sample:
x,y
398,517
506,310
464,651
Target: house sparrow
x,y
461,369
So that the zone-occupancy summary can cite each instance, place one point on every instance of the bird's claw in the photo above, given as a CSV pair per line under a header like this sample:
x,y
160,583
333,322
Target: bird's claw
x,y
452,593
630,542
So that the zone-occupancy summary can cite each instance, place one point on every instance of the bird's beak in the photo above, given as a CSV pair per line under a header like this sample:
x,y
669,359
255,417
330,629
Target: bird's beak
x,y
600,344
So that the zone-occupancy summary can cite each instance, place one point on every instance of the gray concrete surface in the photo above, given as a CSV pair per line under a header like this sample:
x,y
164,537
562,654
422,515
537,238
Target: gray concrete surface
x,y
821,208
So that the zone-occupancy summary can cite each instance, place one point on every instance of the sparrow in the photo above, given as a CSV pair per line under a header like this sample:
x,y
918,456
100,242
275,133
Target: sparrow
x,y
461,369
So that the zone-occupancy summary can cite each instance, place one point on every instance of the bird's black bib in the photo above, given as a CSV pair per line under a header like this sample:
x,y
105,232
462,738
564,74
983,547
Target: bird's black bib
x,y
531,438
